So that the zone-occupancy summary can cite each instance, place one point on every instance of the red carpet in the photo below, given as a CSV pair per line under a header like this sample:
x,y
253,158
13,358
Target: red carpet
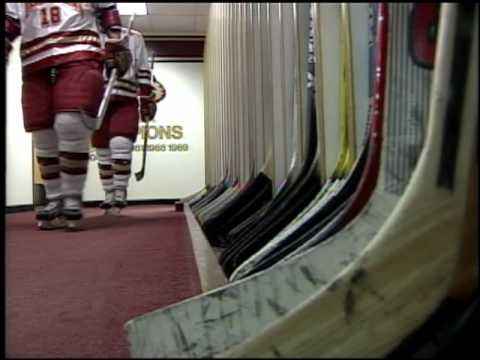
x,y
69,294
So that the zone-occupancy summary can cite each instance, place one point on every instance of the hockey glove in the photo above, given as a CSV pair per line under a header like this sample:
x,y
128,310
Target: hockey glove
x,y
148,108
159,91
117,56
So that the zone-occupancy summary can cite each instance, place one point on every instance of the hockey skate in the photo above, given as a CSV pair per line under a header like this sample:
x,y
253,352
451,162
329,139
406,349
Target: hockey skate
x,y
107,204
119,201
72,212
50,217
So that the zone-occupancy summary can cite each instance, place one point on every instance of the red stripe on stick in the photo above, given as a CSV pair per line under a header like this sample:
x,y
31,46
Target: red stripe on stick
x,y
369,179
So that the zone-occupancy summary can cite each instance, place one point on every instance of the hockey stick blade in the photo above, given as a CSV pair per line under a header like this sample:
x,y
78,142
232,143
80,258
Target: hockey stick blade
x,y
141,173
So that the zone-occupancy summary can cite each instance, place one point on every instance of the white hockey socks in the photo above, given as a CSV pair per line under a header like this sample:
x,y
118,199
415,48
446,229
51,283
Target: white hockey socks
x,y
121,148
74,142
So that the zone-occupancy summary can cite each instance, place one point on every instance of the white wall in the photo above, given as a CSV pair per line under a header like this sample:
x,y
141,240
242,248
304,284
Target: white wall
x,y
19,143
169,174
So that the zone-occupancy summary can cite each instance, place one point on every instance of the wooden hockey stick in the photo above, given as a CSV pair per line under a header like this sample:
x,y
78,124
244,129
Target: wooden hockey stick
x,y
141,173
111,82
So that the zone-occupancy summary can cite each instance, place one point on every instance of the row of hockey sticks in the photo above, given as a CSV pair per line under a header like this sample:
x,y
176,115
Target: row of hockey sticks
x,y
385,271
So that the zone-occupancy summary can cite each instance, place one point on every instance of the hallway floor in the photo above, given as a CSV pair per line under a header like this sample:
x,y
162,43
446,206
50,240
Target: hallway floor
x,y
68,294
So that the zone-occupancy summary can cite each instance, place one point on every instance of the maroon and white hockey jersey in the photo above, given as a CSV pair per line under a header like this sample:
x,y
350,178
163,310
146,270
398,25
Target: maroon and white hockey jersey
x,y
137,80
57,33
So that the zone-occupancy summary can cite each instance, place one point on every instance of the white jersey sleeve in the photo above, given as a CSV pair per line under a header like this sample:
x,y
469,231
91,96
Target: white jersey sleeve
x,y
144,73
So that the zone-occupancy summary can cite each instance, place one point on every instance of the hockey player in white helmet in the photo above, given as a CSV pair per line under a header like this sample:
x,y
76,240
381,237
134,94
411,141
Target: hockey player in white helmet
x,y
114,140
62,64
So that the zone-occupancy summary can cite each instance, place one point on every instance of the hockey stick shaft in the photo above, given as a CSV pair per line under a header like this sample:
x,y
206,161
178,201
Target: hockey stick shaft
x,y
106,98
111,83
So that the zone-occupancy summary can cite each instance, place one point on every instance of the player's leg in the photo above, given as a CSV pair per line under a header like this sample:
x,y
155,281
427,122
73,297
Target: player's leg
x,y
121,148
38,119
123,135
74,142
77,95
46,146
101,141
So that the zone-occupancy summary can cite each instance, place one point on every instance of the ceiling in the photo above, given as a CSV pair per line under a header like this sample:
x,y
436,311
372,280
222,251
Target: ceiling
x,y
180,19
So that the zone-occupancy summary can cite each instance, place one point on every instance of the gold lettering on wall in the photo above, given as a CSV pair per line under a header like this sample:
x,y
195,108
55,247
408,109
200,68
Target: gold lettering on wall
x,y
162,132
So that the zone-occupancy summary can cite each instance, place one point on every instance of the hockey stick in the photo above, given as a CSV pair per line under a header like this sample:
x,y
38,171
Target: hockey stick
x,y
111,83
141,173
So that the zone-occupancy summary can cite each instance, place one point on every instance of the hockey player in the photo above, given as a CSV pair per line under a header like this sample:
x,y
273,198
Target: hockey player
x,y
62,63
114,140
